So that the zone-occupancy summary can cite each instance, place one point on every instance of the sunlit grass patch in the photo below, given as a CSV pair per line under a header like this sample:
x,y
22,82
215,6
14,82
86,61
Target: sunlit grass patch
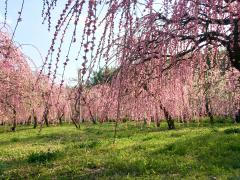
x,y
63,152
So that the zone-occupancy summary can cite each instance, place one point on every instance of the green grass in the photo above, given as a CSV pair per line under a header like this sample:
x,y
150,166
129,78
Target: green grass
x,y
192,151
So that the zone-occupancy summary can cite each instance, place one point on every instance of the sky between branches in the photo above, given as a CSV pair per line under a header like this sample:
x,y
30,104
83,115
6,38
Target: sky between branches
x,y
32,31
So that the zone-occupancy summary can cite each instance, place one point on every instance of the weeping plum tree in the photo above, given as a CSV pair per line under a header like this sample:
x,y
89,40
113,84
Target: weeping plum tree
x,y
21,99
168,33
177,94
187,27
14,86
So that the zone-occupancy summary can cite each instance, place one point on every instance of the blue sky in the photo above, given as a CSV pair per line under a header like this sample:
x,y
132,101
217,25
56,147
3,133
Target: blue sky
x,y
32,31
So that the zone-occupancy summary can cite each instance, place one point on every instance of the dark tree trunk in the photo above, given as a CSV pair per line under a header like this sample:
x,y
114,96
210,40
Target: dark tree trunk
x,y
77,125
76,116
93,119
14,120
157,122
233,46
46,121
208,109
170,123
168,117
237,116
90,112
34,121
45,117
60,118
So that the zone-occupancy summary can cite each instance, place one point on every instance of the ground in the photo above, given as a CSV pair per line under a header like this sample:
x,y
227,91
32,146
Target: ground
x,y
192,151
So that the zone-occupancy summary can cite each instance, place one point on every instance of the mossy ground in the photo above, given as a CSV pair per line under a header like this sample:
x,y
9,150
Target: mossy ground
x,y
192,151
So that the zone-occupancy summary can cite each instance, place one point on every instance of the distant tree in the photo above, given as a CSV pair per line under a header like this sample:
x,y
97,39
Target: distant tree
x,y
102,76
23,93
14,82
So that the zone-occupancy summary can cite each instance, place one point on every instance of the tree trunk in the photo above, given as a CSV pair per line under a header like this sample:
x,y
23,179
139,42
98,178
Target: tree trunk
x,y
14,120
208,109
29,120
60,118
45,117
168,118
144,121
233,46
90,112
167,115
157,120
34,121
170,122
75,122
75,115
237,116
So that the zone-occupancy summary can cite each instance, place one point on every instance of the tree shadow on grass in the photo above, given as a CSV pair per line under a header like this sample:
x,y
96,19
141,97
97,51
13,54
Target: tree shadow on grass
x,y
64,137
212,155
7,129
19,168
90,132
60,137
209,155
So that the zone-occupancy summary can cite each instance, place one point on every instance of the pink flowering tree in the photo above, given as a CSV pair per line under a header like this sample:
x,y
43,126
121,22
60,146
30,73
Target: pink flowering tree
x,y
14,81
23,93
167,53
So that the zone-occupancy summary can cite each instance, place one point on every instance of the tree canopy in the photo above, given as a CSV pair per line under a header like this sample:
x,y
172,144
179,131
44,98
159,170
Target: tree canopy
x,y
134,31
163,50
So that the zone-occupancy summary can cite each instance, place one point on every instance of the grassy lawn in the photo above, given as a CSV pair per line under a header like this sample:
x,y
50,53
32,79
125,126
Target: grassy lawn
x,y
191,151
